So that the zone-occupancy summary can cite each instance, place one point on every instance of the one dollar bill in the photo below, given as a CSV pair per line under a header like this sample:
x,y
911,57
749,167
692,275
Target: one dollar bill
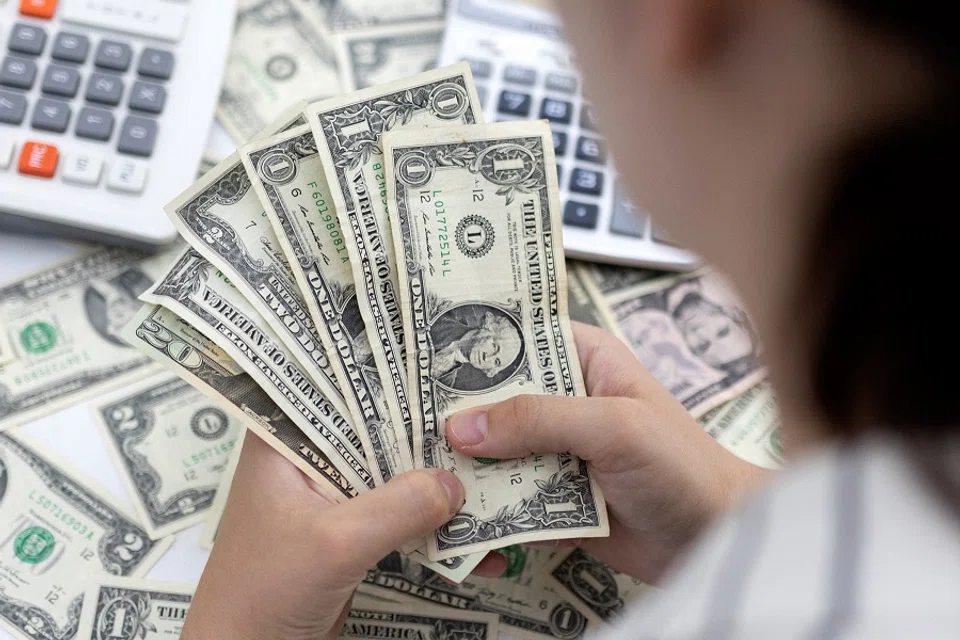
x,y
477,229
171,444
134,609
57,532
371,620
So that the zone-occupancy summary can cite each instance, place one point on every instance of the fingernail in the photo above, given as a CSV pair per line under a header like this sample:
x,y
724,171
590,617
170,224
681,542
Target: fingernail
x,y
470,427
453,487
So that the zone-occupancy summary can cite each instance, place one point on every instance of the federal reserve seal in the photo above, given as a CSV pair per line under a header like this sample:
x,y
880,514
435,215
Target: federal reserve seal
x,y
278,167
209,423
474,236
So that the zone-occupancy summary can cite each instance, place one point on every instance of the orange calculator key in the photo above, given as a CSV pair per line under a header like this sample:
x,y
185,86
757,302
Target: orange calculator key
x,y
39,159
38,8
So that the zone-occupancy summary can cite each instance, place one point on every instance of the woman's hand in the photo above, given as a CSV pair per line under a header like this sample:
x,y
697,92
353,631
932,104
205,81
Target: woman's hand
x,y
287,559
663,477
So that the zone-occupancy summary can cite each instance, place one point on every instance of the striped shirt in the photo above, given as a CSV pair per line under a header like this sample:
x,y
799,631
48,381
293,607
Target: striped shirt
x,y
853,543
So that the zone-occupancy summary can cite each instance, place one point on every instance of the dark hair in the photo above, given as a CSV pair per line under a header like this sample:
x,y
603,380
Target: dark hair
x,y
882,269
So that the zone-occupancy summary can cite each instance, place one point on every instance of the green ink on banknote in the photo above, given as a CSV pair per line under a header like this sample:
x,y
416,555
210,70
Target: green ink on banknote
x,y
34,545
516,560
38,337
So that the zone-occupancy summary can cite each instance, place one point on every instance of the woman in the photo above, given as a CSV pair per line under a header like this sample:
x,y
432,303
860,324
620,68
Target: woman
x,y
803,147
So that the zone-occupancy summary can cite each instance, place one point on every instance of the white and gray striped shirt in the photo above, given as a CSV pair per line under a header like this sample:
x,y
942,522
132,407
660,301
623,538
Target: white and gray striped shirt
x,y
852,543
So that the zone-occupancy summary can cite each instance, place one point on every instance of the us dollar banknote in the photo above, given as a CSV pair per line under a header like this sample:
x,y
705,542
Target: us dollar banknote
x,y
280,53
288,176
477,229
57,532
200,294
135,609
371,620
347,131
222,218
749,426
526,606
599,591
212,523
585,303
181,348
171,444
370,57
692,333
63,325
339,16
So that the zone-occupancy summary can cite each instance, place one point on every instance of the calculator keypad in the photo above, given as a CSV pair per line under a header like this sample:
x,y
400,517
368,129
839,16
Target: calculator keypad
x,y
18,73
113,55
61,81
27,38
94,124
51,115
13,107
71,47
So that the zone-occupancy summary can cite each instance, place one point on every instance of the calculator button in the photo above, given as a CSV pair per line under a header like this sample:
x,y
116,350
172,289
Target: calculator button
x,y
480,68
559,142
27,38
514,103
561,82
61,81
39,159
51,115
156,63
581,214
557,111
13,106
586,181
627,218
127,176
71,47
18,73
94,124
137,136
591,150
520,75
6,154
147,97
588,119
104,88
113,55
559,175
83,169
38,8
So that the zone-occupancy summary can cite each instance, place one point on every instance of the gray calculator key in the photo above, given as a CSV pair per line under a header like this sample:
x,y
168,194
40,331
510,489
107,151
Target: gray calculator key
x,y
146,96
94,124
628,219
556,111
520,75
104,88
18,73
561,82
480,68
137,136
156,63
113,55
61,81
71,47
514,103
13,106
27,38
580,214
51,115
591,150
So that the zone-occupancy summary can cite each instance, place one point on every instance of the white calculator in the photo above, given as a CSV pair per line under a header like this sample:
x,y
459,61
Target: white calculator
x,y
105,107
523,69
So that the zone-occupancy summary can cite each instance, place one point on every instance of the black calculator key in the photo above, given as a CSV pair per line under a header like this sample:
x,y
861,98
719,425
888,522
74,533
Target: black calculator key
x,y
514,103
104,88
156,63
13,106
588,119
561,82
27,38
71,47
137,136
113,55
61,81
560,142
627,219
591,150
586,181
51,115
18,73
520,75
581,214
480,68
556,111
146,96
94,124
559,175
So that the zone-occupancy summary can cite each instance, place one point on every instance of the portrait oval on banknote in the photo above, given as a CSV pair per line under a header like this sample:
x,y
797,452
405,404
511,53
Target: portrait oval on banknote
x,y
111,304
477,347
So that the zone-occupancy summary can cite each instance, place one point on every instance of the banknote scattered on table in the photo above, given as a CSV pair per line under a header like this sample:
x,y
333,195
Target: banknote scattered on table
x,y
131,608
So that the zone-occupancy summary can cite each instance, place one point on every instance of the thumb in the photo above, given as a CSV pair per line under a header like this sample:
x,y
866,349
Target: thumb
x,y
409,507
